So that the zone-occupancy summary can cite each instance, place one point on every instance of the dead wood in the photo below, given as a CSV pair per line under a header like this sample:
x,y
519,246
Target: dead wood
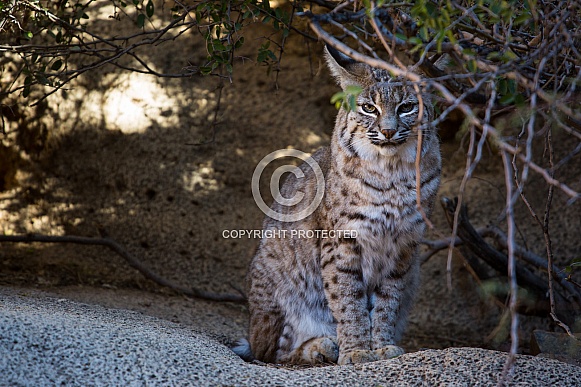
x,y
476,247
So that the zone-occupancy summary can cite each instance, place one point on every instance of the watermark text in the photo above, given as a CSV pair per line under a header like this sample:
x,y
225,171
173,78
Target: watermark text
x,y
281,234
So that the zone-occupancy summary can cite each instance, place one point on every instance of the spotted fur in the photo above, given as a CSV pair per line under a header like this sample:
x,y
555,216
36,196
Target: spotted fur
x,y
346,300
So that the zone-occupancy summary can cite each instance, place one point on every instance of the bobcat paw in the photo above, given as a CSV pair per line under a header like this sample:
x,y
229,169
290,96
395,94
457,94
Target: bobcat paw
x,y
315,351
388,352
357,356
323,350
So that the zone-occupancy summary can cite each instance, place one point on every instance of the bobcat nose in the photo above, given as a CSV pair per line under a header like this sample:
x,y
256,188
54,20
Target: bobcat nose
x,y
388,133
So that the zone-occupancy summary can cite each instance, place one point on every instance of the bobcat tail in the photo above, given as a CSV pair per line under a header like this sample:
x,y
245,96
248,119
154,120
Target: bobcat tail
x,y
242,349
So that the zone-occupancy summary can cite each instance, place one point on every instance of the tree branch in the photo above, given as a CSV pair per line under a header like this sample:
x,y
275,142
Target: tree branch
x,y
130,259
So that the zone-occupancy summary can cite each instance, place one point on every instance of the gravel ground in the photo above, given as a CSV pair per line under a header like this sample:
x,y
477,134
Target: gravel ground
x,y
47,341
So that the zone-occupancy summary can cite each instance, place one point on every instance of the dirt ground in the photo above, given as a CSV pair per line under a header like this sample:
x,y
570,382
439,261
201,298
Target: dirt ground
x,y
140,157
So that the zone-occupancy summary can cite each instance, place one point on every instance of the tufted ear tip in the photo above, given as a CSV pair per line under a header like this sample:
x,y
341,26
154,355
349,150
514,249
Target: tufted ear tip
x,y
336,56
346,70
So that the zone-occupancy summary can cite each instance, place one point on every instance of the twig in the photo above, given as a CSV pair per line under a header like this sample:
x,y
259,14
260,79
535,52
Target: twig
x,y
130,259
545,226
512,274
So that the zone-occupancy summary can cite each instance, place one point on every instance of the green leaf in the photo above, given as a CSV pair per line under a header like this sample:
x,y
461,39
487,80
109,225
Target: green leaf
x,y
424,33
353,90
347,98
415,40
149,9
451,37
519,100
351,102
239,42
140,20
27,35
218,46
337,97
502,86
522,19
493,55
205,70
508,55
511,84
416,49
264,54
507,99
472,67
401,36
431,9
468,51
42,79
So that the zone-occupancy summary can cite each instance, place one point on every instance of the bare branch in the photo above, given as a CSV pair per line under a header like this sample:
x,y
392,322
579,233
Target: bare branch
x,y
514,318
130,259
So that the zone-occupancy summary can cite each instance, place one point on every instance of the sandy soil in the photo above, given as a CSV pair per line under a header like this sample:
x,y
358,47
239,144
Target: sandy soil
x,y
140,158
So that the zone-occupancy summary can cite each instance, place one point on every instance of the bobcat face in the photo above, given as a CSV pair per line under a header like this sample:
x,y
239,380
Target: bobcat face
x,y
385,121
387,114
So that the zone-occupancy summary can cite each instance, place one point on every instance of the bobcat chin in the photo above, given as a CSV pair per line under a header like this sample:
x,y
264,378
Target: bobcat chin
x,y
346,300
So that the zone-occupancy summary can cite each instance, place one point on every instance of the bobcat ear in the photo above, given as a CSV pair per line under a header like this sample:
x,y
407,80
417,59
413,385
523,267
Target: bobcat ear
x,y
346,70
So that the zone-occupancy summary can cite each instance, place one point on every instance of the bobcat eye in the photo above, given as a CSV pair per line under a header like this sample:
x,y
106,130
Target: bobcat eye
x,y
406,107
368,108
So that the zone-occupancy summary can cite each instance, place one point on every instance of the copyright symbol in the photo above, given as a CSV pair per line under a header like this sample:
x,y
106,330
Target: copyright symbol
x,y
275,184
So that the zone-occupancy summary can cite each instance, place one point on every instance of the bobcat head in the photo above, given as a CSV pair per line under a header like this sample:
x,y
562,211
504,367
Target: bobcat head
x,y
385,119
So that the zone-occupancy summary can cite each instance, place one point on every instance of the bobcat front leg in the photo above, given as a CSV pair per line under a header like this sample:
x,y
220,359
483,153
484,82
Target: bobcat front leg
x,y
347,297
385,303
390,303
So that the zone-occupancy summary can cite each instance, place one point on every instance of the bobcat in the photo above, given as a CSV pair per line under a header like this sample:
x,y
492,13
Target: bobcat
x,y
345,300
